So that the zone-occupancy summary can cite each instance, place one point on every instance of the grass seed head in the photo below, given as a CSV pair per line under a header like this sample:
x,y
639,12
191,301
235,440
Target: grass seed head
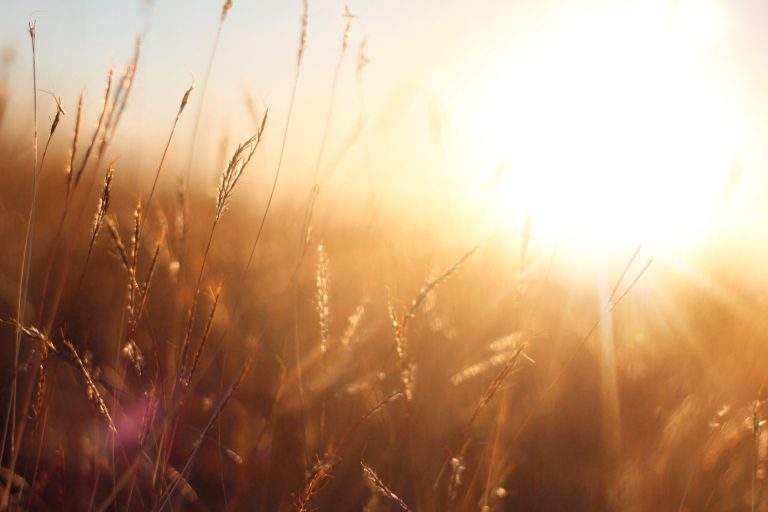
x,y
225,10
374,481
104,201
349,17
57,117
73,149
321,297
93,391
362,58
185,98
237,164
304,31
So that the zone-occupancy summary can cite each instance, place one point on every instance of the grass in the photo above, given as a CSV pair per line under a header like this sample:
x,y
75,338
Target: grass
x,y
387,368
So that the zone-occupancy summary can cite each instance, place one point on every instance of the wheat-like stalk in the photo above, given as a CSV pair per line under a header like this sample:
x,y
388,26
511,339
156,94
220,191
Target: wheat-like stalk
x,y
302,44
31,332
133,288
103,206
114,233
304,32
229,178
456,463
381,404
431,285
226,7
241,374
504,348
133,353
54,124
378,484
477,369
137,308
98,220
93,390
322,298
313,484
362,58
21,297
407,368
236,166
204,339
120,99
105,107
349,17
353,323
496,383
315,188
234,170
400,324
73,148
182,106
73,180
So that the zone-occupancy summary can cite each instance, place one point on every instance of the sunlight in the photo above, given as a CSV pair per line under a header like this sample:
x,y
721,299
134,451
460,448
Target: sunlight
x,y
609,128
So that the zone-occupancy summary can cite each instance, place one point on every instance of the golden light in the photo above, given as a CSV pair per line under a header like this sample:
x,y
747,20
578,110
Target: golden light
x,y
609,126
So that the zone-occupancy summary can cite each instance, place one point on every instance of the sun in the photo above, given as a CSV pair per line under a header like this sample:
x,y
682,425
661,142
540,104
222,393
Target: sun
x,y
608,127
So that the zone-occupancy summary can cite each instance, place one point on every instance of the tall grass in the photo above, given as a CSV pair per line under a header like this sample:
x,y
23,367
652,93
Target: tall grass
x,y
21,304
314,387
315,189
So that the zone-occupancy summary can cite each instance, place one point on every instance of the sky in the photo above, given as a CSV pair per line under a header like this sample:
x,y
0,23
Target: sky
x,y
414,49
458,98
79,40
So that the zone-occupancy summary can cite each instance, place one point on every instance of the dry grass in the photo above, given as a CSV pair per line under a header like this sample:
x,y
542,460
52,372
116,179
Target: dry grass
x,y
129,386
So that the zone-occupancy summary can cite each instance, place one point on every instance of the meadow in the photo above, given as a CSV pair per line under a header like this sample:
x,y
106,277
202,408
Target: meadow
x,y
171,341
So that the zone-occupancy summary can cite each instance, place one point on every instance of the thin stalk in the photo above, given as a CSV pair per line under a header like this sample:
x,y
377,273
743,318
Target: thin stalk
x,y
21,304
244,369
252,252
54,125
613,302
184,101
314,191
43,426
73,180
198,116
109,119
229,179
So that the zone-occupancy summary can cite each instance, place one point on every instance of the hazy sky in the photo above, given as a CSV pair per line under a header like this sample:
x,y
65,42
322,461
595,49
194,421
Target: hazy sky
x,y
410,45
415,49
454,88
79,40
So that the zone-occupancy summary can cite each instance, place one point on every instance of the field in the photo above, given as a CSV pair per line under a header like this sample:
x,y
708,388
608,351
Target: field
x,y
261,336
